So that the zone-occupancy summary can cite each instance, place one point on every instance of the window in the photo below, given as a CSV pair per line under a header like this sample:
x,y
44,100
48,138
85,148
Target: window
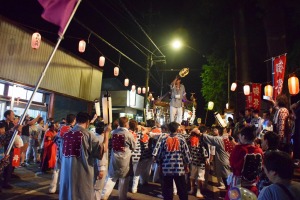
x,y
19,92
1,89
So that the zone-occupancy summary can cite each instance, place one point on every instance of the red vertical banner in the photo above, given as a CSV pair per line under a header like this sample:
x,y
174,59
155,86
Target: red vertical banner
x,y
279,70
249,100
256,95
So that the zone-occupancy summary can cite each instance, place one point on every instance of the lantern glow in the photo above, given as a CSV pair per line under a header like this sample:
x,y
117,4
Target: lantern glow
x,y
81,46
36,40
101,61
268,90
293,83
144,90
126,82
139,90
116,71
133,88
233,86
246,90
210,105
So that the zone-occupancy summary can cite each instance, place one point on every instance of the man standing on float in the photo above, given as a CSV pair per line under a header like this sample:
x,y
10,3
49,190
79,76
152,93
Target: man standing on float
x,y
177,95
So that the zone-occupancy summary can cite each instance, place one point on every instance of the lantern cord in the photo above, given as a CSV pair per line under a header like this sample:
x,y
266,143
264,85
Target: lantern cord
x,y
106,42
141,28
89,37
125,35
275,57
119,59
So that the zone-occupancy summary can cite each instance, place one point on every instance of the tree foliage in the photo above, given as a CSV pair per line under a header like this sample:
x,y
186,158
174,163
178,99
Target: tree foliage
x,y
214,81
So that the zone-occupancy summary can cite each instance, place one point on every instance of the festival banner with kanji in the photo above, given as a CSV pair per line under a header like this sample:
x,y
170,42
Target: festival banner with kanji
x,y
278,71
249,101
256,95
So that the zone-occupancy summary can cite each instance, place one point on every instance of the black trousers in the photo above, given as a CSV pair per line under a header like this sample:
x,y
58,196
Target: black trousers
x,y
7,171
167,187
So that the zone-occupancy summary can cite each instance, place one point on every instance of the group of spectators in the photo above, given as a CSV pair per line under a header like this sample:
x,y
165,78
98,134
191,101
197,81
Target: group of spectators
x,y
254,153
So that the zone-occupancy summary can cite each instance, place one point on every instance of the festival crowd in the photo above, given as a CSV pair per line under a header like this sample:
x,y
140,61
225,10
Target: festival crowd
x,y
88,158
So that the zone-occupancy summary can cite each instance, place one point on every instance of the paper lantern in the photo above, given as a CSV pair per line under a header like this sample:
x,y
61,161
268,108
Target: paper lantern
x,y
116,71
107,108
246,90
101,61
36,40
97,107
268,90
139,90
126,82
81,46
293,83
210,105
227,105
233,86
133,88
144,90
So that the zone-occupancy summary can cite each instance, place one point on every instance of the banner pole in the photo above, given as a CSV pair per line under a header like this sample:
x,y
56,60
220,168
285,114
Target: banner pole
x,y
40,79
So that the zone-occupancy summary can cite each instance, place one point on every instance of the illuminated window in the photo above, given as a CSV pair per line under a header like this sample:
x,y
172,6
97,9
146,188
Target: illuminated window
x,y
1,89
25,94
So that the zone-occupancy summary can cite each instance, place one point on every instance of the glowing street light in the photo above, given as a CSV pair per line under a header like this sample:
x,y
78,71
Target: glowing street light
x,y
176,44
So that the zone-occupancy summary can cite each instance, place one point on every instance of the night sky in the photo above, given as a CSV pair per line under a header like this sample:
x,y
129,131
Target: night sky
x,y
204,26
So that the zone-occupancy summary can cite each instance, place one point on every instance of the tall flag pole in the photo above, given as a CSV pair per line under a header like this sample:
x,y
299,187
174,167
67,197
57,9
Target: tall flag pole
x,y
58,12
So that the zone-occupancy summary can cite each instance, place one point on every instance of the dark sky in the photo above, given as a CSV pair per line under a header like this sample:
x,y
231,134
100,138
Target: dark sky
x,y
162,20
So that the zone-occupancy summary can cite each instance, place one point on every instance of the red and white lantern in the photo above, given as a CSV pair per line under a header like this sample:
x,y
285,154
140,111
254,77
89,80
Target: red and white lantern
x,y
126,82
233,86
246,90
36,40
133,88
268,90
293,83
101,61
139,90
144,90
116,71
81,46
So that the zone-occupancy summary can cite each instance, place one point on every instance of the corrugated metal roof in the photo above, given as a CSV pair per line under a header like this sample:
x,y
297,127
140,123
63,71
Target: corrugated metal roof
x,y
66,74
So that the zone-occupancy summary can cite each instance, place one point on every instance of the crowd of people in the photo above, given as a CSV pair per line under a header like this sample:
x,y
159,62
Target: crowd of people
x,y
252,152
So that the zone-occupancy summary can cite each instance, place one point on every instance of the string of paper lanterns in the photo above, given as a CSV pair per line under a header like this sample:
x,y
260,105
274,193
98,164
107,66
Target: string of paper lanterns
x,y
36,42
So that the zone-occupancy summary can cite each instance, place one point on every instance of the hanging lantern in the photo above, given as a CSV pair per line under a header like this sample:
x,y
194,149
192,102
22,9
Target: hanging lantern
x,y
36,40
139,90
293,83
81,46
107,108
133,88
97,107
227,105
246,90
126,82
116,71
210,105
101,61
144,90
269,90
233,86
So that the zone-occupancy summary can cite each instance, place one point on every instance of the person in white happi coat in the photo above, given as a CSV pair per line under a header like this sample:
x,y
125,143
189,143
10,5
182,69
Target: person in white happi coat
x,y
123,144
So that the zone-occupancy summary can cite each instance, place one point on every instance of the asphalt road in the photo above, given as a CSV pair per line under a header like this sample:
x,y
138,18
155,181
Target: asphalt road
x,y
29,186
